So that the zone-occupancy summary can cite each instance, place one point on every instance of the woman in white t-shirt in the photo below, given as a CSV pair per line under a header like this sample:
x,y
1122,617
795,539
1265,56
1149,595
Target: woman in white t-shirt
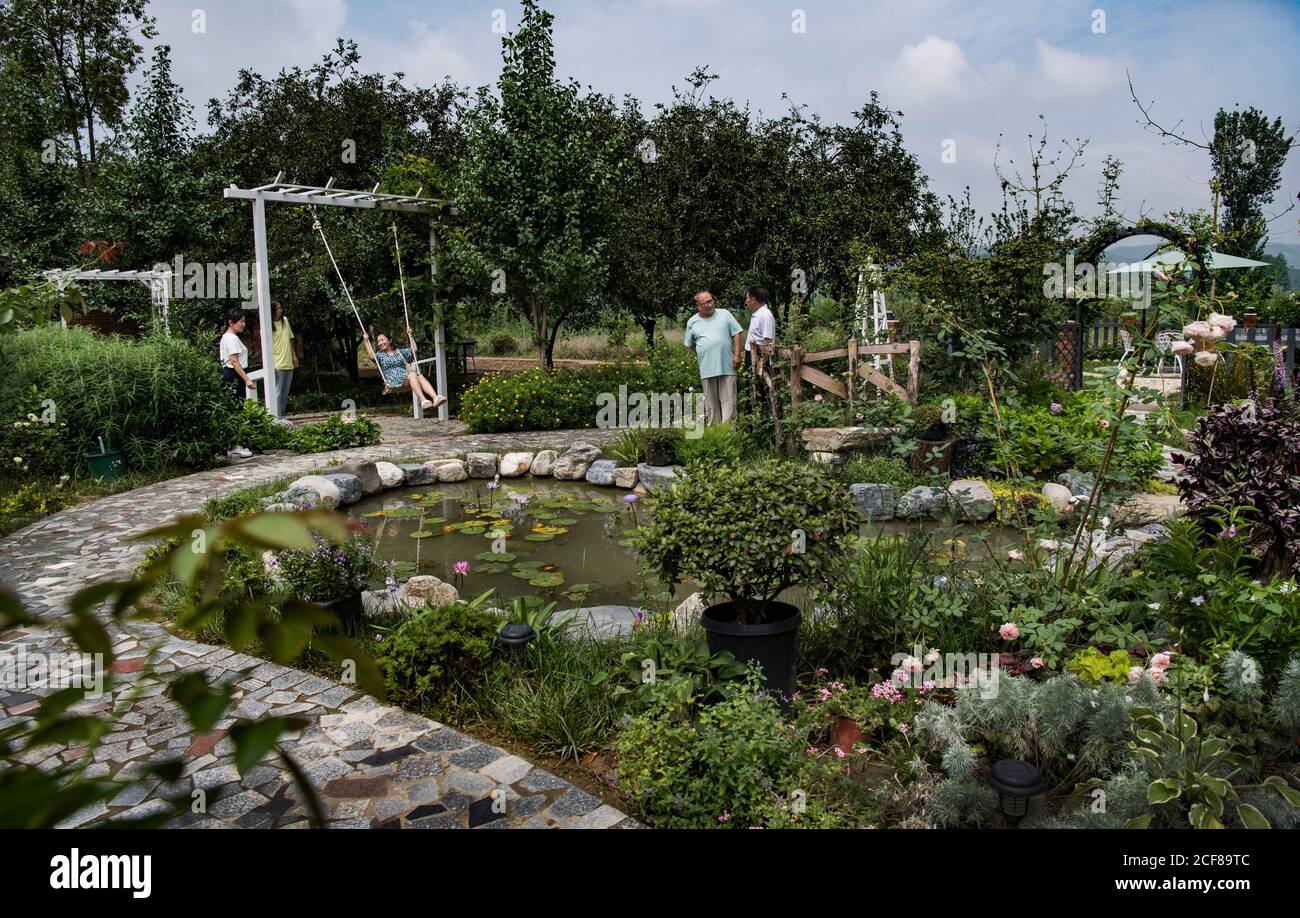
x,y
234,361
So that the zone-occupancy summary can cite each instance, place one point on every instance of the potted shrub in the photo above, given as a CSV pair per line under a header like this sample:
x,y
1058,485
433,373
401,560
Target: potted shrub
x,y
743,535
332,576
660,444
933,439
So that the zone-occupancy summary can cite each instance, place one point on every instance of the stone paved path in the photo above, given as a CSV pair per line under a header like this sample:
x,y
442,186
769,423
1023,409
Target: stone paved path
x,y
373,765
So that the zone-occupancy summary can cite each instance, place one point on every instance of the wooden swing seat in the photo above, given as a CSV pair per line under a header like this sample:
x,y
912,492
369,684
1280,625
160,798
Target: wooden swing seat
x,y
417,409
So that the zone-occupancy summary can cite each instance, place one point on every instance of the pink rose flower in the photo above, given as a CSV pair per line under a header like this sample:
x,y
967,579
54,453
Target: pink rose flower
x,y
1160,661
1009,631
1016,554
1036,662
1182,348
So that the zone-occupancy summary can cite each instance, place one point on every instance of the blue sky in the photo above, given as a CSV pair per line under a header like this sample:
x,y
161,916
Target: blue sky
x,y
963,72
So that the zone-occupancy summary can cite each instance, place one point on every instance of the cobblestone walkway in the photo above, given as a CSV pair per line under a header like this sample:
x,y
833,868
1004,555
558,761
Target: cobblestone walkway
x,y
372,765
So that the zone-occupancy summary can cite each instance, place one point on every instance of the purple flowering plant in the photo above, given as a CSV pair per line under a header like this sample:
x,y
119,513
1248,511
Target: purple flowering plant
x,y
330,570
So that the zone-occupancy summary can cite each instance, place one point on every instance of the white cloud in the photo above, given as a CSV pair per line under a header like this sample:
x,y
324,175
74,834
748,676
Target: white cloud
x,y
933,66
1075,72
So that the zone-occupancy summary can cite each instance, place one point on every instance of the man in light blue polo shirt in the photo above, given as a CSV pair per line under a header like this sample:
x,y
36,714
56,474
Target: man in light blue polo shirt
x,y
715,337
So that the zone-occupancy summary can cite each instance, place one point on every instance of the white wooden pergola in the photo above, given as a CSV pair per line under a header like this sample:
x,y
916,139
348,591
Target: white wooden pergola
x,y
159,282
328,196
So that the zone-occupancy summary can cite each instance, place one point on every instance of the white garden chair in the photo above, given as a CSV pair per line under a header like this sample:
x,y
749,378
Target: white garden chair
x,y
1164,347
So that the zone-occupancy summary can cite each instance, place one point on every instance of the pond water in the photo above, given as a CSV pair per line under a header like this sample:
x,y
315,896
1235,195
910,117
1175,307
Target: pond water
x,y
559,540
563,541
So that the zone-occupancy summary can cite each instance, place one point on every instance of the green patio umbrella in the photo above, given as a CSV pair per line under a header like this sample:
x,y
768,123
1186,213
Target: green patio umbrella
x,y
1173,258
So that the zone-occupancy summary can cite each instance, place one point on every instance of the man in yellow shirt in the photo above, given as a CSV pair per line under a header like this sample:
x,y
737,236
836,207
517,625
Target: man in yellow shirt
x,y
287,350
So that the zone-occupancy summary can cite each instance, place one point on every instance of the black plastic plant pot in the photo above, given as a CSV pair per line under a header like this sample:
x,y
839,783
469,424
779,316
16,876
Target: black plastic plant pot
x,y
772,644
660,456
347,609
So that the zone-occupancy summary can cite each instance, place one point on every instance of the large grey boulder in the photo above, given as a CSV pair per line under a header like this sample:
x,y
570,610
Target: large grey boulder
x,y
573,465
656,477
349,486
1058,495
481,465
923,502
601,472
543,462
417,474
1078,482
447,470
428,589
367,473
389,474
874,501
515,464
625,477
327,493
973,500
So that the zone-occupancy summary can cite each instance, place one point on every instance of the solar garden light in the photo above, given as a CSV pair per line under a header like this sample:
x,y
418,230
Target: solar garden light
x,y
837,464
1015,781
516,635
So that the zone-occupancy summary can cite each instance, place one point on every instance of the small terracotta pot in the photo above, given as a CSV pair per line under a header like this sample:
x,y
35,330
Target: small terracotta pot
x,y
845,733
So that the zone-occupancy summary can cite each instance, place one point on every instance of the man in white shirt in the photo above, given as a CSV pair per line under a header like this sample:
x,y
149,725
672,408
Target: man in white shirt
x,y
762,324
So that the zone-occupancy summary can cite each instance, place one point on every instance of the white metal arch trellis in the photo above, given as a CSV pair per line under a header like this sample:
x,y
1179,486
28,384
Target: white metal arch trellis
x,y
328,196
159,283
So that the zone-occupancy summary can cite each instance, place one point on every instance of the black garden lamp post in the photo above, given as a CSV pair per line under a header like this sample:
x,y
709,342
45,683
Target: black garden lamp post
x,y
1015,781
515,636
837,464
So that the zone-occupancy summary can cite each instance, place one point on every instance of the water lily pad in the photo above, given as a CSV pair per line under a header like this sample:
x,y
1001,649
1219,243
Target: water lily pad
x,y
563,521
539,537
473,530
603,507
425,534
541,514
491,568
547,579
506,556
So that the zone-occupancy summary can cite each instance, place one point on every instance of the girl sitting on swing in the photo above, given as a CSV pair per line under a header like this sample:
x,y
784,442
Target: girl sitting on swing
x,y
397,367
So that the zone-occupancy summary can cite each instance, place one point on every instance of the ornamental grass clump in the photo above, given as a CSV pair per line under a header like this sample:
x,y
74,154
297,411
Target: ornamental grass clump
x,y
749,532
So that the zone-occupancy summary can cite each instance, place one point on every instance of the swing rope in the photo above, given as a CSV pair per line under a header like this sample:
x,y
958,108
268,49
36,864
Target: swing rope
x,y
316,225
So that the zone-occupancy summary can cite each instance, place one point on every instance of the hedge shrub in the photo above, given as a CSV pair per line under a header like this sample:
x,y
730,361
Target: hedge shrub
x,y
160,400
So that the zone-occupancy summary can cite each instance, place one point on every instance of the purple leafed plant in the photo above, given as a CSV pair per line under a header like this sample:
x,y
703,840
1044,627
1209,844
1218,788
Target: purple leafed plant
x,y
1245,461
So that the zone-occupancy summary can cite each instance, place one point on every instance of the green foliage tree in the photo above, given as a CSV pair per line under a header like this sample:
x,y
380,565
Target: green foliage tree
x,y
80,52
537,186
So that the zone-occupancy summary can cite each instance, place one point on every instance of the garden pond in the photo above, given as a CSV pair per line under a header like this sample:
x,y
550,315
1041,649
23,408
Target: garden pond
x,y
563,541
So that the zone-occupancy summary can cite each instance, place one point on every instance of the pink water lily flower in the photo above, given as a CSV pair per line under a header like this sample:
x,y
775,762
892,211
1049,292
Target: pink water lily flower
x,y
460,567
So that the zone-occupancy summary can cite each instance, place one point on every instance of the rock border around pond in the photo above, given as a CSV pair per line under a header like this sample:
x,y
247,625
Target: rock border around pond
x,y
345,484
